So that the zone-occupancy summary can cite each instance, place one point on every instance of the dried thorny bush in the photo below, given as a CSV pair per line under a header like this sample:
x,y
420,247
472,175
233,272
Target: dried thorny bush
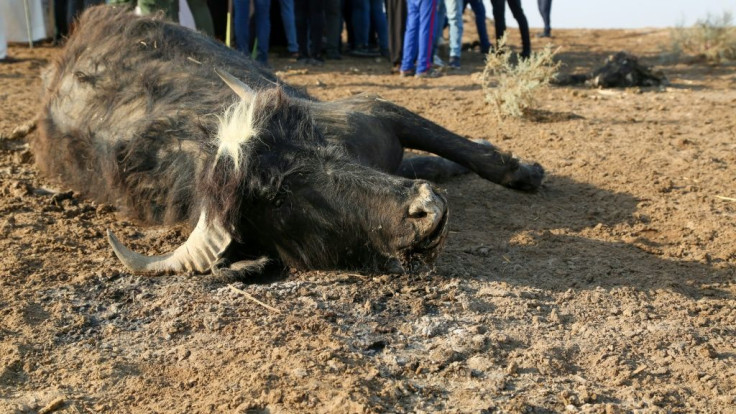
x,y
510,84
712,39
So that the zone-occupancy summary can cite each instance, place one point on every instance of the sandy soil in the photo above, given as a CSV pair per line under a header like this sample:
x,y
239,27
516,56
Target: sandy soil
x,y
610,290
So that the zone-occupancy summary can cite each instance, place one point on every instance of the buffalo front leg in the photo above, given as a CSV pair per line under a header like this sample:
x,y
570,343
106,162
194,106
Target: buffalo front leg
x,y
414,131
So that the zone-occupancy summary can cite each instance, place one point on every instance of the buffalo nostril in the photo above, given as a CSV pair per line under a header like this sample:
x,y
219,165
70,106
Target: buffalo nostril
x,y
426,209
418,214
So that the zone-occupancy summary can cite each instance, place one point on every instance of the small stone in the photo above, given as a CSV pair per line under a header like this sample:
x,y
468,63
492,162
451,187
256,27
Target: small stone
x,y
707,351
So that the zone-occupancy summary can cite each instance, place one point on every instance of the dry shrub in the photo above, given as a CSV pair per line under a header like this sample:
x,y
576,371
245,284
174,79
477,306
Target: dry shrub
x,y
510,84
712,39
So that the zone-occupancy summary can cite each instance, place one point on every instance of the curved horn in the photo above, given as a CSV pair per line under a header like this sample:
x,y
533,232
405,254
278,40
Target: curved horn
x,y
244,91
204,246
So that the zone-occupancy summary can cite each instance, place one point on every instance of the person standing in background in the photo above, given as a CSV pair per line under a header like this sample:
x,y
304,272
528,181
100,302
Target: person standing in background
x,y
454,12
364,13
418,39
3,42
289,22
310,24
545,8
333,28
262,21
480,23
499,17
396,14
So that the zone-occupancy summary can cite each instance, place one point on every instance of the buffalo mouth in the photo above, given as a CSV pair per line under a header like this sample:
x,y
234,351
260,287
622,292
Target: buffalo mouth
x,y
426,250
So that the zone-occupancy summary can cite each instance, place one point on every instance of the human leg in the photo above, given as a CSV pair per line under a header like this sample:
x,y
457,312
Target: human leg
x,y
378,17
499,17
3,40
518,13
427,14
396,14
361,22
241,25
479,10
545,8
302,25
455,20
333,28
287,18
316,27
411,36
440,18
262,20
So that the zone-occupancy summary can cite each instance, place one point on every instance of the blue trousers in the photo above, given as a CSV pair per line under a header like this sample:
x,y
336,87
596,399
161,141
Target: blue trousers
x,y
545,7
454,10
419,35
480,23
287,18
262,20
366,12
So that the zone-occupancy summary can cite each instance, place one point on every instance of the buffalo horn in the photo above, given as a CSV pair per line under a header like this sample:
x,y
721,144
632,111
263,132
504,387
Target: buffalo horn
x,y
241,89
204,246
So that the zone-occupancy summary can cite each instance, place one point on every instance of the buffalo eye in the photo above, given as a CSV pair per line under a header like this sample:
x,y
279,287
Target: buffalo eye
x,y
278,202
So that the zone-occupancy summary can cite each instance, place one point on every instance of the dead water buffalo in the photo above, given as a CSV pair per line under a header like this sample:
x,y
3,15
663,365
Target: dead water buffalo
x,y
620,70
136,114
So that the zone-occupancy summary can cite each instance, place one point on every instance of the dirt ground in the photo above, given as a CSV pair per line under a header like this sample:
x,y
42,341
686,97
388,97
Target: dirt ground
x,y
610,290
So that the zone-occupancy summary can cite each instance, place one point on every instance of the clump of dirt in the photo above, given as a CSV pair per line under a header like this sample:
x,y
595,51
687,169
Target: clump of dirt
x,y
610,290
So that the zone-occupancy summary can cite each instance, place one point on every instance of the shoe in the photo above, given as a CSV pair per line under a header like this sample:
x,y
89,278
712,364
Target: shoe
x,y
364,52
316,61
428,74
437,61
545,34
333,55
406,73
454,62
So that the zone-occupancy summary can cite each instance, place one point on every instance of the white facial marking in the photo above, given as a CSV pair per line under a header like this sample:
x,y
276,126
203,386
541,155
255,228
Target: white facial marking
x,y
237,126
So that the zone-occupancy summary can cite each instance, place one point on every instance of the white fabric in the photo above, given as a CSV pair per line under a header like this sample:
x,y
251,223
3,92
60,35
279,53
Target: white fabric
x,y
14,16
185,14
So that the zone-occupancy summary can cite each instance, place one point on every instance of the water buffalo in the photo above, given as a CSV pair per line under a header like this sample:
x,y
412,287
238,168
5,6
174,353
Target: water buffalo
x,y
620,70
135,113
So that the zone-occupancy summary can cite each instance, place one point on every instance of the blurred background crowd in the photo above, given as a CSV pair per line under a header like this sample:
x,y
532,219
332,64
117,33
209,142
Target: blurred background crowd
x,y
405,32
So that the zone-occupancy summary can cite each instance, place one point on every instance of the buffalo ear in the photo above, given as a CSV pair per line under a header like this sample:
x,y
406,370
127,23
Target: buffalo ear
x,y
244,91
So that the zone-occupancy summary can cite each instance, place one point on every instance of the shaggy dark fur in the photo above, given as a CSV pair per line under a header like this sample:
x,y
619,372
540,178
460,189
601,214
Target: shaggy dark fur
x,y
620,70
130,117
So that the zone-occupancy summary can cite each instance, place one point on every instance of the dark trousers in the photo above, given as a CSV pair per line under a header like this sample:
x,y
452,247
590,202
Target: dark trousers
x,y
333,26
310,23
545,7
499,12
480,23
396,13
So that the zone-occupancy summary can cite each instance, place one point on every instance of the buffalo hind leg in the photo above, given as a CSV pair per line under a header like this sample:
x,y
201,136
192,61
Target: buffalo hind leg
x,y
414,131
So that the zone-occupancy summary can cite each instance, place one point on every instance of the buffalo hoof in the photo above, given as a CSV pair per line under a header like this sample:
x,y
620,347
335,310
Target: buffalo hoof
x,y
526,178
225,271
